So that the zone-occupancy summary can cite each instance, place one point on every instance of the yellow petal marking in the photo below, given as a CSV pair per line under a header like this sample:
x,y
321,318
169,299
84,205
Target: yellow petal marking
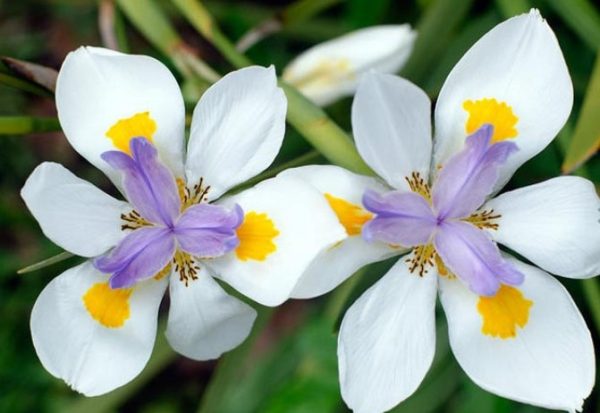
x,y
256,235
140,124
498,114
504,312
351,216
109,307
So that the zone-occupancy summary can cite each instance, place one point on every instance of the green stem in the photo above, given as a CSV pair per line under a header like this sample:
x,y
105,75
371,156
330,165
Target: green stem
x,y
322,132
305,159
22,125
45,263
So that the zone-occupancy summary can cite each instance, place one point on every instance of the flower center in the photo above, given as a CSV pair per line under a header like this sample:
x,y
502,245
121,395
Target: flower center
x,y
171,225
443,224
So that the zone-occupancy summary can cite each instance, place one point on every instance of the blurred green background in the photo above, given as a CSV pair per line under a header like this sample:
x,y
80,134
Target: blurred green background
x,y
289,363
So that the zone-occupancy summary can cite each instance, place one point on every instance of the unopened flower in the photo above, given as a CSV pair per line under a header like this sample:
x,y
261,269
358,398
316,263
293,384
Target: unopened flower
x,y
513,328
94,326
330,70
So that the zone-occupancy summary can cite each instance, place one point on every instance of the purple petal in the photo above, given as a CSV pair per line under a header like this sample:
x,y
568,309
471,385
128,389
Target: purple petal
x,y
470,254
402,218
208,230
140,255
469,176
149,185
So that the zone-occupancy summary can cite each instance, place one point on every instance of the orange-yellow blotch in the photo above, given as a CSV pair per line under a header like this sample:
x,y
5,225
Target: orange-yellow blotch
x,y
109,307
351,216
138,125
256,235
498,114
504,312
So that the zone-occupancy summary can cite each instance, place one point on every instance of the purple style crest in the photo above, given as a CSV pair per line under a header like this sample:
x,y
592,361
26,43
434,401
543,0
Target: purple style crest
x,y
203,230
468,178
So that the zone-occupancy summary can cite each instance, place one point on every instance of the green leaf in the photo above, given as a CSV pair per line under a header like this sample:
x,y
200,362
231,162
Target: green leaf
x,y
510,8
22,125
294,14
33,73
434,31
586,138
151,21
230,371
582,17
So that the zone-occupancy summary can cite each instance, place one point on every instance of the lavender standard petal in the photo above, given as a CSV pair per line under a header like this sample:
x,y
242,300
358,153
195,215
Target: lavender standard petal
x,y
402,218
469,176
140,255
149,185
474,258
208,230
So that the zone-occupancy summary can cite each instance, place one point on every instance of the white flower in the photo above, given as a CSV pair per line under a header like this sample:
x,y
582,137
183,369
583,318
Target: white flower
x,y
330,70
125,114
526,341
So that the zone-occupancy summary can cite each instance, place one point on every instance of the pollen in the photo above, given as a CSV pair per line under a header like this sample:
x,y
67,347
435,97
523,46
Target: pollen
x,y
485,219
256,235
422,259
186,266
498,114
109,307
504,312
133,220
138,125
194,195
418,185
351,216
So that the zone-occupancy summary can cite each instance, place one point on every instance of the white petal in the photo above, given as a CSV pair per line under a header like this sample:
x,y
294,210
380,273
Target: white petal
x,y
237,129
205,321
338,262
391,121
550,362
519,62
305,225
387,340
73,213
330,70
555,224
73,346
98,87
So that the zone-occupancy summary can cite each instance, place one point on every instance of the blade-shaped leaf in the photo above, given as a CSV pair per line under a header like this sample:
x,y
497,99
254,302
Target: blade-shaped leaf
x,y
586,138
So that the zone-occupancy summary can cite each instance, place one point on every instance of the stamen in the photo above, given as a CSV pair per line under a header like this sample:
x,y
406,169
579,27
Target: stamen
x,y
193,196
133,220
186,266
422,259
485,219
419,185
